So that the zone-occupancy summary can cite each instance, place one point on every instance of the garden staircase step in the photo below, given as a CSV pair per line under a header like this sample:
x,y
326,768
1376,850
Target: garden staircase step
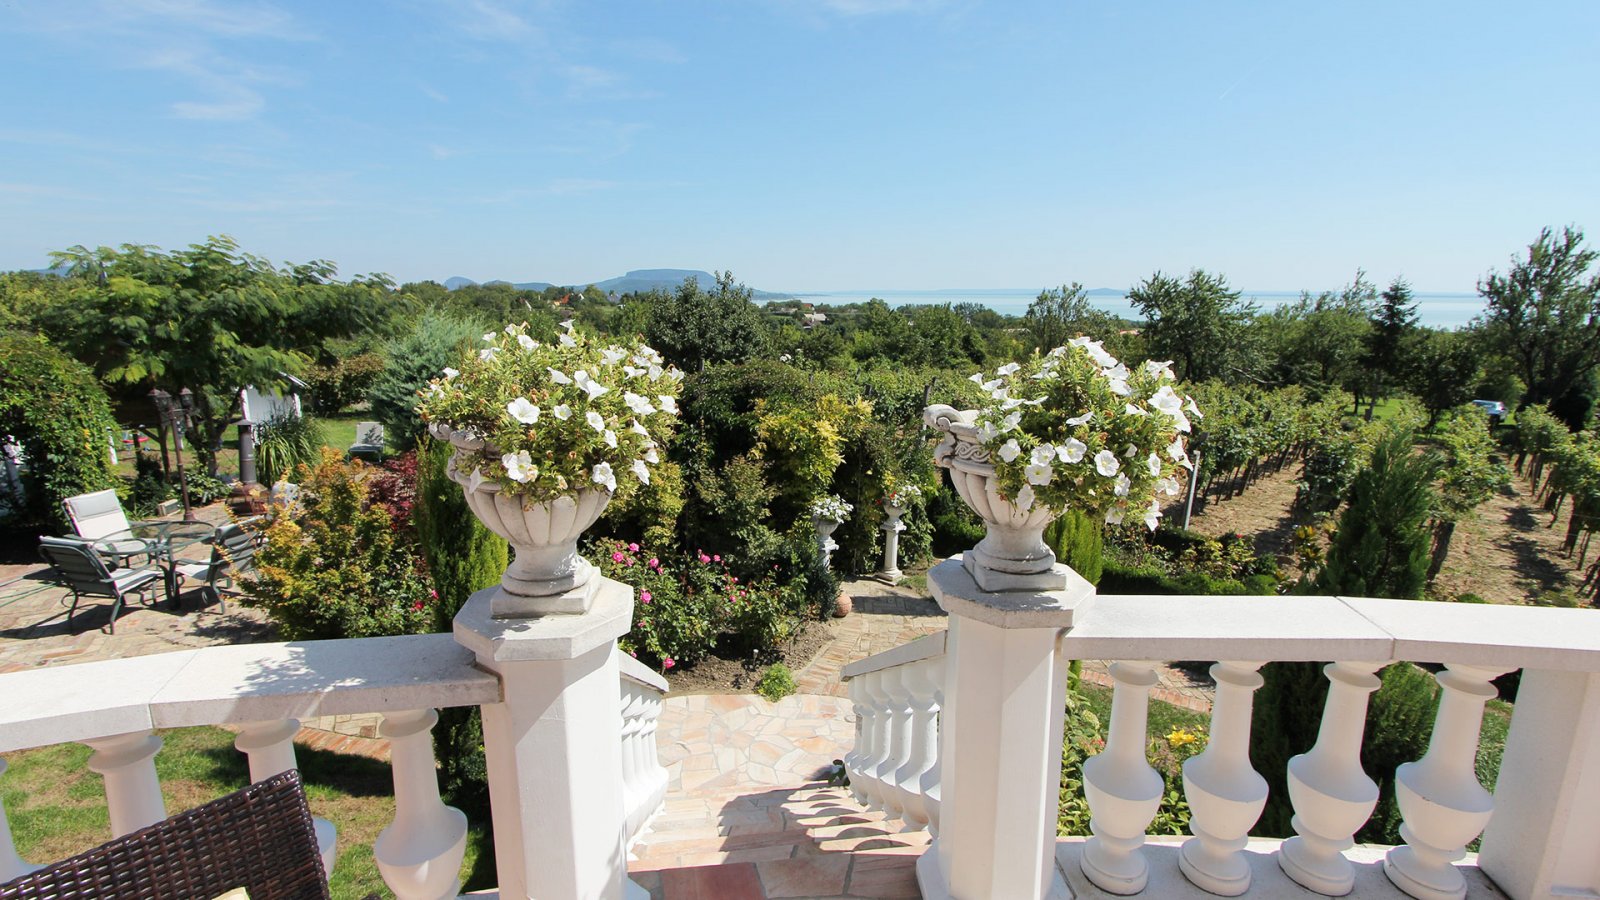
x,y
809,841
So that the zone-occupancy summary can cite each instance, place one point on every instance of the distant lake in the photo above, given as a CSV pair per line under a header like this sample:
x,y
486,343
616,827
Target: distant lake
x,y
1435,310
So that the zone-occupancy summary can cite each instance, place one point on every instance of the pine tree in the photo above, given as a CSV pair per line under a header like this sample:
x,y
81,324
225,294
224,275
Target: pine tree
x,y
1078,540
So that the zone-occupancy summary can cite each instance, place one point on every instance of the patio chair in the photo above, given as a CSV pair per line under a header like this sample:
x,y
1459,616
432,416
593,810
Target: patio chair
x,y
260,839
369,441
84,572
96,515
233,552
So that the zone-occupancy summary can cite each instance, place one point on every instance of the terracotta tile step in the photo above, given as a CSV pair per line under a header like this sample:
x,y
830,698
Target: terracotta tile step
x,y
737,881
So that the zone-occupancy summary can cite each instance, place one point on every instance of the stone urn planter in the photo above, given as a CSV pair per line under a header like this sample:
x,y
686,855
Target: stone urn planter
x,y
825,528
1012,555
547,576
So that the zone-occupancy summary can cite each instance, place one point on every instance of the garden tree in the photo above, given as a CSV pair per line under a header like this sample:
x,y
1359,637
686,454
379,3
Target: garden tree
x,y
51,405
1445,368
1198,323
694,328
1394,323
1470,474
435,341
209,318
1544,315
25,297
1059,314
1320,341
1380,549
944,338
462,556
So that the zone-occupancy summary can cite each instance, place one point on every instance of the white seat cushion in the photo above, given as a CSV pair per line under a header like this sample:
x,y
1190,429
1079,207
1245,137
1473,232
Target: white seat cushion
x,y
129,579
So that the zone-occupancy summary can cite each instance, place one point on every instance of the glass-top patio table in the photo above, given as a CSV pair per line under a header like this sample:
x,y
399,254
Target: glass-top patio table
x,y
165,540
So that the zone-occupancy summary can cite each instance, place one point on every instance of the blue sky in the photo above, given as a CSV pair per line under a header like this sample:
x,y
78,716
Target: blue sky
x,y
808,144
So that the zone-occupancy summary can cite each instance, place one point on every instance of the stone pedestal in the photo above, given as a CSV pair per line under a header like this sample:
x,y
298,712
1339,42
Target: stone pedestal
x,y
892,526
1000,740
554,760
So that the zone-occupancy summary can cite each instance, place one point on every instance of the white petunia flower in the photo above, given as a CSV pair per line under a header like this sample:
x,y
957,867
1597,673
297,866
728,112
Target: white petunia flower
x,y
1162,370
632,372
1010,450
488,337
667,404
1132,410
639,405
562,411
527,343
1057,353
641,471
1038,474
1081,420
1176,451
595,420
613,355
1114,515
675,373
650,454
1007,369
601,475
638,429
450,373
523,411
1011,421
610,438
1105,462
1193,410
1025,498
590,386
1154,464
1129,451
567,324
1043,454
977,378
1072,451
987,432
510,329
1168,487
1120,387
1152,515
991,386
1167,401
1010,403
519,467
558,376
1120,488
568,341
488,353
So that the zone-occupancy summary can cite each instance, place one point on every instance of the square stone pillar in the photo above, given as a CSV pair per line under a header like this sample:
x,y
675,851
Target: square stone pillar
x,y
552,745
1541,839
1000,738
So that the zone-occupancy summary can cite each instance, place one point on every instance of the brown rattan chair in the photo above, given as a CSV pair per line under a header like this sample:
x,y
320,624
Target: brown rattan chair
x,y
260,839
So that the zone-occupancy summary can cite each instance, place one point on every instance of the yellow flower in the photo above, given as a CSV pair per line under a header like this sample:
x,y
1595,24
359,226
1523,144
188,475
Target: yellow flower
x,y
1179,737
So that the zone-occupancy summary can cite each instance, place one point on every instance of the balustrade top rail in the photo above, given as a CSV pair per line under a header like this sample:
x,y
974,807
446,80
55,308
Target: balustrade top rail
x,y
1355,629
921,648
636,671
243,683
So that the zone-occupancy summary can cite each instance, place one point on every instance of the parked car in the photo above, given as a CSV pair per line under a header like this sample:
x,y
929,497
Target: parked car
x,y
1494,408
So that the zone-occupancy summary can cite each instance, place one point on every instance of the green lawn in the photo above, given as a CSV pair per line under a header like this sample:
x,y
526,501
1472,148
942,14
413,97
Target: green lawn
x,y
339,433
57,807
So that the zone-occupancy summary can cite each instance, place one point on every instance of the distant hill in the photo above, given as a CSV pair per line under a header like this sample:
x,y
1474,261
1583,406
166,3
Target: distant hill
x,y
636,281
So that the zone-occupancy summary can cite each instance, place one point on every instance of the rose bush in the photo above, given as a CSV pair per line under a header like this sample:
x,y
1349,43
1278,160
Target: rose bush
x,y
1075,428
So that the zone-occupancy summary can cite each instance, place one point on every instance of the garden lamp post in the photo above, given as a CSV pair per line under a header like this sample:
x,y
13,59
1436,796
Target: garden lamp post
x,y
175,415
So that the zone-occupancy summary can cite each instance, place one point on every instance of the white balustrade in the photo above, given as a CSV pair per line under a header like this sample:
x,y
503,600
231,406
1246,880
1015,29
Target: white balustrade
x,y
1332,795
898,748
1441,802
269,747
1225,794
861,706
921,679
133,792
929,782
420,853
644,779
11,865
632,777
878,749
1123,791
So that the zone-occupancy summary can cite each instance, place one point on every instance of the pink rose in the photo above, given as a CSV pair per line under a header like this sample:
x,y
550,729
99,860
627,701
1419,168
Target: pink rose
x,y
633,548
644,597
655,563
716,559
616,557
667,663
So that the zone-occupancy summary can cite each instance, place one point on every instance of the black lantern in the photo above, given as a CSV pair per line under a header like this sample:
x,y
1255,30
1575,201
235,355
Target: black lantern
x,y
175,416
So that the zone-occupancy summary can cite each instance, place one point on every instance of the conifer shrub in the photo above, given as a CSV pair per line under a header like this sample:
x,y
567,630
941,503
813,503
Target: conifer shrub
x,y
1078,542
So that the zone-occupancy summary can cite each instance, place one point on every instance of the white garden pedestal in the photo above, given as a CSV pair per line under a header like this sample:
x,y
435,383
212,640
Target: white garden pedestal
x,y
892,526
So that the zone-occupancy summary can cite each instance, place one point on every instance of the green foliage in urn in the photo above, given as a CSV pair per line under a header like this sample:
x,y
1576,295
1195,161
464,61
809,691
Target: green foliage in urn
x,y
53,408
545,420
1076,429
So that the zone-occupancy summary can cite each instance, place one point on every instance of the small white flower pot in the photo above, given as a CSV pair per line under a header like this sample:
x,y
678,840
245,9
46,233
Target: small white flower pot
x,y
1012,555
547,576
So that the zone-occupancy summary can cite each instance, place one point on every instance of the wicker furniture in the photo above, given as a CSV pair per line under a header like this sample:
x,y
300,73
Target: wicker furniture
x,y
260,839
82,570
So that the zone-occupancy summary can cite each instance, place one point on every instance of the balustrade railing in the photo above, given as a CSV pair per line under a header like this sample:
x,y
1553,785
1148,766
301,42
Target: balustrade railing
x,y
263,691
1002,758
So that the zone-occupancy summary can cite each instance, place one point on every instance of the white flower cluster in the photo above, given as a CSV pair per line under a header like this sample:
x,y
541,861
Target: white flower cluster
x,y
904,493
575,414
1078,428
831,507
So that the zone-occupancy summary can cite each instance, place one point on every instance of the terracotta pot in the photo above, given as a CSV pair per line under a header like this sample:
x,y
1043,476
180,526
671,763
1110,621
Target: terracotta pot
x,y
547,576
1012,555
842,605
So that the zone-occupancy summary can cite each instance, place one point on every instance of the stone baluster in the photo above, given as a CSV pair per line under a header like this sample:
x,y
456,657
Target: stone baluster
x,y
133,792
269,746
1123,791
924,725
899,738
1331,793
877,740
892,526
929,782
1225,795
1442,805
655,773
420,853
11,865
632,795
861,750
